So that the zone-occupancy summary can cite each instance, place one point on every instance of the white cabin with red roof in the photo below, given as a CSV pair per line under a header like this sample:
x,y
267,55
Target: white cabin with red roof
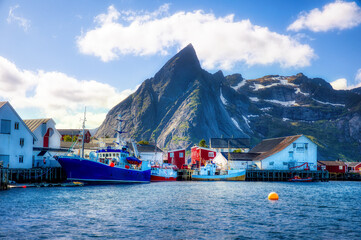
x,y
285,153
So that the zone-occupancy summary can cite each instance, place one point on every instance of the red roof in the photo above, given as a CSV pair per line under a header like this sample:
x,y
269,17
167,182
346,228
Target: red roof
x,y
331,163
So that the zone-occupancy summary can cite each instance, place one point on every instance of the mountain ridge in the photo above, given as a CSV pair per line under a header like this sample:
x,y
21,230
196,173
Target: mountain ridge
x,y
183,104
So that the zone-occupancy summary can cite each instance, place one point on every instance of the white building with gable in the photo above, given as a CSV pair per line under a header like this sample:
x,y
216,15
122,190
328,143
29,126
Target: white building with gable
x,y
16,139
285,153
48,144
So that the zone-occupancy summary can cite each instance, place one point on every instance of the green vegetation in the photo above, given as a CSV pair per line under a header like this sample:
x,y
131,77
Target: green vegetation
x,y
176,139
75,138
202,143
238,151
143,142
67,138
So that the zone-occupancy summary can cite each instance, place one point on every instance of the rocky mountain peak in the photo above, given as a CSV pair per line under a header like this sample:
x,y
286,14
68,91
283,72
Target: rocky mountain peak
x,y
185,61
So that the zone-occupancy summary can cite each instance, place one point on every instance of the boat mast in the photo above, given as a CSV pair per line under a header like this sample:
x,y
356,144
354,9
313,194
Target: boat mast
x,y
119,130
229,156
82,141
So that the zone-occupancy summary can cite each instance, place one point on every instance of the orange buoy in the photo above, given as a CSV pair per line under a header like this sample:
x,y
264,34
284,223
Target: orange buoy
x,y
273,196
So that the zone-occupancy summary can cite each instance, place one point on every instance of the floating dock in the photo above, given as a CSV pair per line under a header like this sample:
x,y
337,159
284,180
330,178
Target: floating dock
x,y
37,175
285,175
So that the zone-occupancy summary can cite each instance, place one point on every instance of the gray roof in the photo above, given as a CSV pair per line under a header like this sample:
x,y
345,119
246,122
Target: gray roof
x,y
233,142
240,156
145,148
71,132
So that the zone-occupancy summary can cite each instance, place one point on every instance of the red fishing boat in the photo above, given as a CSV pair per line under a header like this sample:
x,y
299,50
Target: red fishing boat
x,y
299,179
164,172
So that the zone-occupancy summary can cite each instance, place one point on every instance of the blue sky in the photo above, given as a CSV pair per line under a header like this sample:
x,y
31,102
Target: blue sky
x,y
58,56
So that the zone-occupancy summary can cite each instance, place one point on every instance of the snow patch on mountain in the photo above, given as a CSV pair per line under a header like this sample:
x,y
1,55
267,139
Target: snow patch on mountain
x,y
328,103
224,101
285,104
247,121
236,124
257,86
298,91
265,109
239,85
254,99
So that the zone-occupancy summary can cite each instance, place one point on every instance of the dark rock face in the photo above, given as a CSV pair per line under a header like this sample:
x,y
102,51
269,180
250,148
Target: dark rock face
x,y
183,104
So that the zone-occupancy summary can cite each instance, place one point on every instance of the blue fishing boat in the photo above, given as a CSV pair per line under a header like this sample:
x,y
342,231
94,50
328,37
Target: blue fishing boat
x,y
107,165
209,173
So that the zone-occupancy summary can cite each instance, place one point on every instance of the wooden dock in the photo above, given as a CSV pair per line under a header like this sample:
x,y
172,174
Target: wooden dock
x,y
184,175
4,179
37,175
349,176
285,175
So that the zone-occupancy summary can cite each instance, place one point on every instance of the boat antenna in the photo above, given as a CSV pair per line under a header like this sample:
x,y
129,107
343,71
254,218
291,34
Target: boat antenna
x,y
82,141
229,156
155,151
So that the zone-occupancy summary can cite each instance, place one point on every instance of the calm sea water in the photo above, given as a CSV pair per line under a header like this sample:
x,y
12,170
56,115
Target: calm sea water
x,y
184,210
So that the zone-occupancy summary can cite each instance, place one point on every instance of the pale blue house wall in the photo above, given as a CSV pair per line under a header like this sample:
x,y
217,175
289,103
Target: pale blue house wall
x,y
10,143
291,156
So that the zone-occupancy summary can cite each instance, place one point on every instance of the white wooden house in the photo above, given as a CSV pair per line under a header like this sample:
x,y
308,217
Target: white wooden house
x,y
284,153
234,160
16,139
48,144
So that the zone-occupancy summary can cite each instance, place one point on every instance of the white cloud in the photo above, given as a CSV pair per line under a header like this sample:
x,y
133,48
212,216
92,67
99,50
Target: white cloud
x,y
22,22
358,76
220,42
337,15
342,83
339,84
57,95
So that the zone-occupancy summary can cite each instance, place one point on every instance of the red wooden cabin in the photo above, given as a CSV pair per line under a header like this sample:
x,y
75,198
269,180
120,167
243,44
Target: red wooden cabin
x,y
202,155
177,157
333,166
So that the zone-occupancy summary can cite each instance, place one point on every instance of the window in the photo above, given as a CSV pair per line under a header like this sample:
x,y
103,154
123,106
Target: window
x,y
306,146
300,148
340,167
285,163
21,158
22,142
16,126
271,163
211,154
290,154
5,126
181,155
294,145
171,155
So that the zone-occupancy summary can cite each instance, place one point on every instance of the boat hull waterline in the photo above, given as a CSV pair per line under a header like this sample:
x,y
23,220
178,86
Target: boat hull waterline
x,y
237,176
85,170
